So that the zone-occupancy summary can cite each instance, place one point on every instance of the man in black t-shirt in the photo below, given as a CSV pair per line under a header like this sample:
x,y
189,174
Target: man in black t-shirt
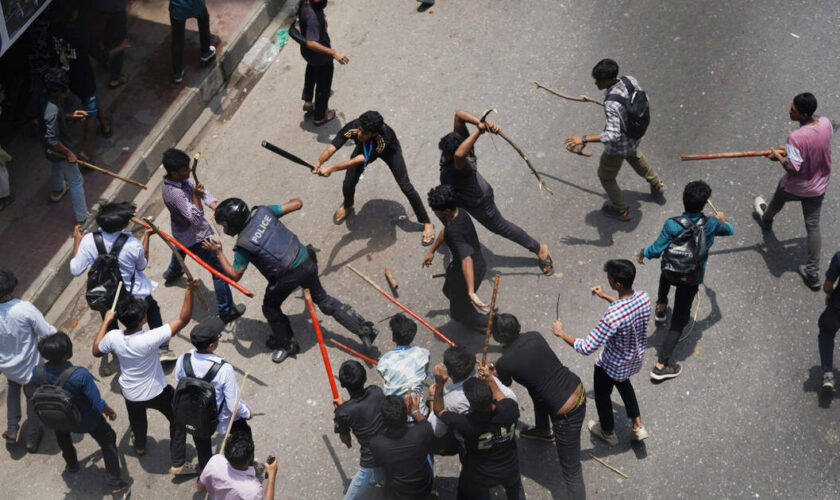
x,y
360,414
558,394
489,433
459,168
372,139
404,451
466,270
319,56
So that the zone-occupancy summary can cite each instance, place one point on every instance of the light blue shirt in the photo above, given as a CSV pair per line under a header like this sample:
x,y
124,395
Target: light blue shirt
x,y
224,383
404,369
21,325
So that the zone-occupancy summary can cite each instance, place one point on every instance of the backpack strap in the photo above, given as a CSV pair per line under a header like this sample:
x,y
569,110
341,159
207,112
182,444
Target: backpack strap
x,y
100,243
188,366
211,373
41,374
65,375
118,244
620,98
630,87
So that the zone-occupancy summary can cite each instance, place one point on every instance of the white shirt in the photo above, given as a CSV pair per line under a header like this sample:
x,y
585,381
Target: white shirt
x,y
21,325
132,261
141,375
456,401
224,382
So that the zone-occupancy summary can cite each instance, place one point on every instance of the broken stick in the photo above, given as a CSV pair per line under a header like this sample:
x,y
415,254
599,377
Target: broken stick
x,y
582,98
608,466
490,320
391,281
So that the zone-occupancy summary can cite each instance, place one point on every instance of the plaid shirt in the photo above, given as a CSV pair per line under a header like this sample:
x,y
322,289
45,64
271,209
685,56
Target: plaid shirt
x,y
615,140
188,223
623,333
404,369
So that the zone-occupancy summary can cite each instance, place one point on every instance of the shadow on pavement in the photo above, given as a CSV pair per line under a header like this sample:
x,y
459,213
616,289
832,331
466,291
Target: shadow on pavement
x,y
814,384
376,222
693,331
779,256
607,227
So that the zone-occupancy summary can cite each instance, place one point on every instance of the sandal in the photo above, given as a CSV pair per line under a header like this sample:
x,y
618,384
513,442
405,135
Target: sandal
x,y
119,82
329,115
428,238
10,438
546,265
341,214
580,149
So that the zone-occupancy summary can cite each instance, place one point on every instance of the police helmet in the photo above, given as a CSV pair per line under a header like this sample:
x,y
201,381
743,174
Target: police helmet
x,y
234,213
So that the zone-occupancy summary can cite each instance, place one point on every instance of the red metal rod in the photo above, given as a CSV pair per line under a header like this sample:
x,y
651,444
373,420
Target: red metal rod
x,y
717,156
397,302
351,351
196,258
320,337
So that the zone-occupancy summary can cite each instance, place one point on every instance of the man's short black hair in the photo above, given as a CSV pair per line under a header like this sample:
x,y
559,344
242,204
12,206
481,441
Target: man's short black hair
x,y
204,345
695,196
174,160
352,375
442,198
459,362
239,450
56,348
606,69
478,393
403,329
131,312
505,328
805,103
113,217
371,121
394,413
56,80
622,271
8,282
450,142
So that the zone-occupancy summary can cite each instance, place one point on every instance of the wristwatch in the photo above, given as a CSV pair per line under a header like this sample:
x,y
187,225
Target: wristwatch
x,y
583,139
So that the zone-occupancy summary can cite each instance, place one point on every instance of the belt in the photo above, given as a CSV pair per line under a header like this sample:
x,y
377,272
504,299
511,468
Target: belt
x,y
581,399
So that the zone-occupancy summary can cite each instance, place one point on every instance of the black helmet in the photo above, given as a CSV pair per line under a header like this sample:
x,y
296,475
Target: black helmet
x,y
234,213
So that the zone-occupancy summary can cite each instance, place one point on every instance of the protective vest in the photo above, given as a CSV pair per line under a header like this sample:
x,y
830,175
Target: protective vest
x,y
271,245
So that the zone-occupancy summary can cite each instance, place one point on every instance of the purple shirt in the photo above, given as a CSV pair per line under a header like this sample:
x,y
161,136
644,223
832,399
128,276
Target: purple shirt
x,y
224,482
188,223
809,153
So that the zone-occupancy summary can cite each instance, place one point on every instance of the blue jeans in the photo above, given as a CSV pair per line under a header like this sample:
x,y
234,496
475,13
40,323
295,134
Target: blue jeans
x,y
32,427
363,482
66,173
224,298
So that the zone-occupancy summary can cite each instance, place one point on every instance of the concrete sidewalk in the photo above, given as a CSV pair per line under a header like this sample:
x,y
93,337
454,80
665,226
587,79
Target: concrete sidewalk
x,y
149,113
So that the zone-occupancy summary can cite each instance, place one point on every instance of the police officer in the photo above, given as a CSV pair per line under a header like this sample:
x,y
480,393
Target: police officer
x,y
287,264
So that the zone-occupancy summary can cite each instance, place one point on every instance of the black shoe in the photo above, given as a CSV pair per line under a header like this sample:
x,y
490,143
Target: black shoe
x,y
670,371
171,279
235,312
124,493
812,281
281,354
537,434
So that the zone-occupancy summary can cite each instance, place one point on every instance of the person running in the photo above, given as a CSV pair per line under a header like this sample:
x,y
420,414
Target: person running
x,y
623,333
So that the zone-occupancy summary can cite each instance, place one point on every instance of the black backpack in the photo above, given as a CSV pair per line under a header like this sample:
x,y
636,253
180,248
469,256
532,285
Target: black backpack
x,y
54,404
104,276
194,404
637,107
682,261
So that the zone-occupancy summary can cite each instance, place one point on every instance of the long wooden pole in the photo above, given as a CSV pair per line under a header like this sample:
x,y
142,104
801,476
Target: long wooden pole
x,y
582,98
718,156
98,169
351,351
317,326
230,424
712,206
490,320
542,183
404,308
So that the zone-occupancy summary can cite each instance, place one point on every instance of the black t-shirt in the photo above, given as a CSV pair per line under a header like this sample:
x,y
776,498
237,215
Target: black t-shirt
x,y
832,274
530,361
405,458
469,185
361,414
383,144
490,441
70,47
313,27
462,240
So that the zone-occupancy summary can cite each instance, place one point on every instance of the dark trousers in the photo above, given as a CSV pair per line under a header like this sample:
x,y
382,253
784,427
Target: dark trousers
x,y
461,308
115,32
317,81
107,440
396,163
829,323
811,212
137,416
683,298
203,445
304,276
468,490
603,385
178,28
487,213
224,297
567,439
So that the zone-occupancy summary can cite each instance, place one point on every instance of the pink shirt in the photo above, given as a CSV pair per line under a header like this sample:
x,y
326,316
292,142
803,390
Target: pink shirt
x,y
809,153
223,482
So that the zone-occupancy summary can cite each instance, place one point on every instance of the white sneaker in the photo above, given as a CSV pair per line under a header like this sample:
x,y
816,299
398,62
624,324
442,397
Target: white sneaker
x,y
828,382
640,434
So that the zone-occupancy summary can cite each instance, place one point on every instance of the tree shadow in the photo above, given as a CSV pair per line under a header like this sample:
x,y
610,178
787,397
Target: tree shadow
x,y
814,384
693,331
778,255
606,226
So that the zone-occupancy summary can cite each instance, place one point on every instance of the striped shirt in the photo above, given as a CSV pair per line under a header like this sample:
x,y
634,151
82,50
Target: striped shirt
x,y
623,333
188,223
616,142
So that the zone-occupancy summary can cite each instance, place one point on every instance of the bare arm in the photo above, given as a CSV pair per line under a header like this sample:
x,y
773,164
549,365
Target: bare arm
x,y
352,162
430,255
271,472
464,149
440,382
325,155
227,268
109,316
292,205
186,309
146,234
318,47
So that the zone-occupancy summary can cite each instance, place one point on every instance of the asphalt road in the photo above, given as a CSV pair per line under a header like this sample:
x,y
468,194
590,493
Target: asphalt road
x,y
744,419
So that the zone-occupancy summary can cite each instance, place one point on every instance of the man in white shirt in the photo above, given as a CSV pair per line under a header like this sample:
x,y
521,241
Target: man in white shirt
x,y
205,337
21,325
142,381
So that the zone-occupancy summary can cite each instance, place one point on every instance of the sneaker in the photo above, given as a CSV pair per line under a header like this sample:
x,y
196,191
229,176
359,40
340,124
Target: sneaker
x,y
613,213
537,434
670,371
659,317
167,355
178,77
171,279
57,195
281,354
812,281
308,107
209,55
235,312
123,493
828,382
759,207
188,469
657,189
640,434
596,430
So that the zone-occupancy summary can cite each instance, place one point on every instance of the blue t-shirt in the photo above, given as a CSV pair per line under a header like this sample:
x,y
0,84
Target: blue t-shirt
x,y
82,387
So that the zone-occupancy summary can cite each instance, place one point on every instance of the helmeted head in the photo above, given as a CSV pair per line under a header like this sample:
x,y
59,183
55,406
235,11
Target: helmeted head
x,y
233,215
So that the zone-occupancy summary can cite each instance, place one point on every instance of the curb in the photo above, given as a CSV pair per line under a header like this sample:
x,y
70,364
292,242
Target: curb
x,y
55,276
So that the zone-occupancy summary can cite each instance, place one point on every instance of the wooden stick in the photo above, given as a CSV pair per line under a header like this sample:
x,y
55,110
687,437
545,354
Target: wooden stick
x,y
582,98
391,281
317,326
490,320
404,308
351,351
196,258
117,296
233,412
712,206
608,466
98,169
718,156
542,183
